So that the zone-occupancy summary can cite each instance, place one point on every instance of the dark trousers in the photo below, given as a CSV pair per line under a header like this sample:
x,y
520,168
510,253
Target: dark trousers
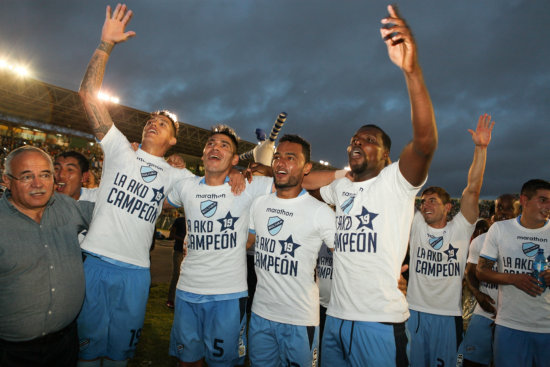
x,y
58,349
177,258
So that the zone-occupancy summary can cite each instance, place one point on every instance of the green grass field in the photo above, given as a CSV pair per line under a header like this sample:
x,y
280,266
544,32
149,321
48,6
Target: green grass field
x,y
152,349
153,344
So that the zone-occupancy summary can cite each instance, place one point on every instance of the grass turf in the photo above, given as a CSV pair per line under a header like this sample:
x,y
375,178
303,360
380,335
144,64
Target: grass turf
x,y
152,349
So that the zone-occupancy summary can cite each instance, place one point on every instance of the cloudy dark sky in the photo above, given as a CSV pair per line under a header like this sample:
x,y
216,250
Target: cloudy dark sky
x,y
243,61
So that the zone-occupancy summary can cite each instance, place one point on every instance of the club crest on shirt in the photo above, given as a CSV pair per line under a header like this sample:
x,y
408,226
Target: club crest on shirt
x,y
274,225
208,208
148,174
435,242
529,248
347,205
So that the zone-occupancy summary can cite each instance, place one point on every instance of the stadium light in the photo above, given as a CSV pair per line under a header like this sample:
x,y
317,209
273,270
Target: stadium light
x,y
107,97
17,69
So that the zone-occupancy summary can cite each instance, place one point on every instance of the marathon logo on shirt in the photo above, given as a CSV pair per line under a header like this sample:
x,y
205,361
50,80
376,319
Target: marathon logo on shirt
x,y
202,235
437,263
349,239
132,197
158,168
266,258
279,211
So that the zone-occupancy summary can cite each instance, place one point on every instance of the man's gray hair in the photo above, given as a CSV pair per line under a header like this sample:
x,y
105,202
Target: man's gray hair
x,y
25,149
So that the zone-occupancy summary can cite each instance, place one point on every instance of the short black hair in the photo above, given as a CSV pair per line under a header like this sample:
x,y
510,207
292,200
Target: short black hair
x,y
80,158
439,191
306,147
386,140
530,188
227,131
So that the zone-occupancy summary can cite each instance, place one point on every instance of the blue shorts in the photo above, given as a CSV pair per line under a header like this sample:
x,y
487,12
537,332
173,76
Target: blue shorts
x,y
273,344
514,348
434,338
213,330
362,343
477,345
112,316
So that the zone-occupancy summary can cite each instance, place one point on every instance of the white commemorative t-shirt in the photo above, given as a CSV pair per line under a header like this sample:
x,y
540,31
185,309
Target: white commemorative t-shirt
x,y
490,289
88,194
514,247
217,231
437,263
373,220
324,274
132,190
289,234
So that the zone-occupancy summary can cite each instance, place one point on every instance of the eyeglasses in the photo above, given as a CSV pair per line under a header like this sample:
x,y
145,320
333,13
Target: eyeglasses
x,y
29,177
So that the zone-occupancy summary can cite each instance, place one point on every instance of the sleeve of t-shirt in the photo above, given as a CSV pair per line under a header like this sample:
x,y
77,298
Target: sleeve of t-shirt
x,y
116,149
490,245
475,249
328,193
182,174
259,186
466,228
176,196
326,221
399,182
251,223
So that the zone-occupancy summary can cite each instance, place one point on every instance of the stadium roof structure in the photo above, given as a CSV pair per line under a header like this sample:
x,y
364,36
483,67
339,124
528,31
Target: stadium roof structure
x,y
27,101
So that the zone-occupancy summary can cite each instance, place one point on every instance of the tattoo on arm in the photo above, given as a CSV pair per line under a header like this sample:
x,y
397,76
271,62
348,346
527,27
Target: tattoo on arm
x,y
100,120
94,74
485,263
106,47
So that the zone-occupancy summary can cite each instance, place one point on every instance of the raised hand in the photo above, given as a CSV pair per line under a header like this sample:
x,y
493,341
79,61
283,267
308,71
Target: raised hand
x,y
399,40
482,135
114,26
176,161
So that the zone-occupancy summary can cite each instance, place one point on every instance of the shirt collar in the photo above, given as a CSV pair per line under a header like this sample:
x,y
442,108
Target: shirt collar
x,y
203,181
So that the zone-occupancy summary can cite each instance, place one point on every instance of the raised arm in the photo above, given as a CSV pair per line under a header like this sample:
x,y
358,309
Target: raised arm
x,y
112,33
416,156
469,204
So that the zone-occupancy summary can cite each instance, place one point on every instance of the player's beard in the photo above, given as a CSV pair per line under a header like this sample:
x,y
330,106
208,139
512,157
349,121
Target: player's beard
x,y
292,182
359,169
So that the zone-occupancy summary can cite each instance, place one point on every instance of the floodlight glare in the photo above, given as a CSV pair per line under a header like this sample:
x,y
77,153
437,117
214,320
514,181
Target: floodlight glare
x,y
14,68
106,97
21,70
